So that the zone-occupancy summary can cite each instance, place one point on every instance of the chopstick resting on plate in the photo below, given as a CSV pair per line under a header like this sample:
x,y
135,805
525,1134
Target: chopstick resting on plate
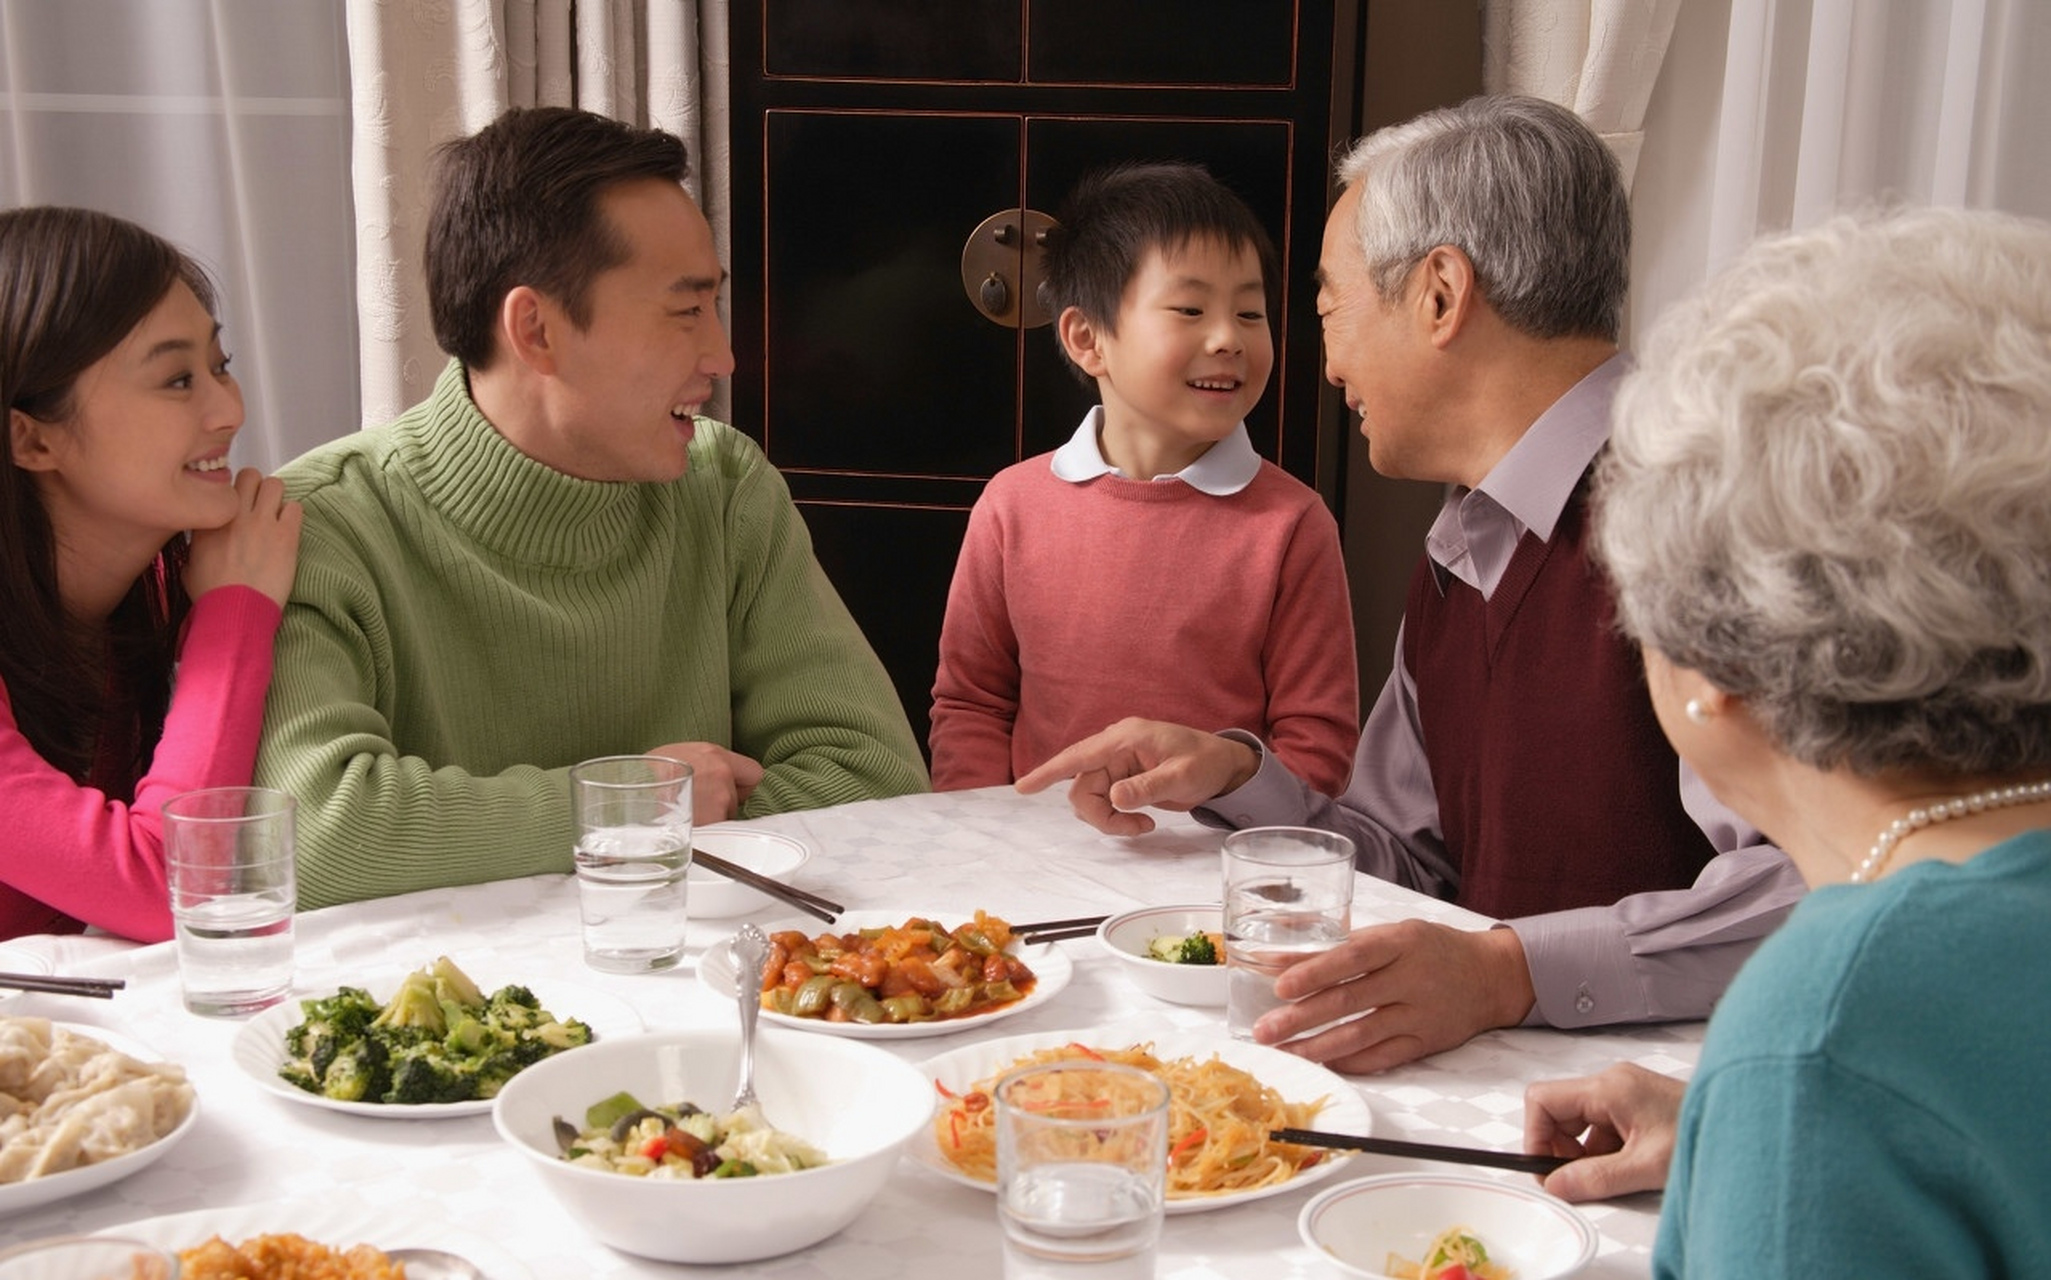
x,y
1055,930
804,900
1420,1150
98,988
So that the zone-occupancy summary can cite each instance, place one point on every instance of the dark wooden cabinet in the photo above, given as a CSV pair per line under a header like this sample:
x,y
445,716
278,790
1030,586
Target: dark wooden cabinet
x,y
872,137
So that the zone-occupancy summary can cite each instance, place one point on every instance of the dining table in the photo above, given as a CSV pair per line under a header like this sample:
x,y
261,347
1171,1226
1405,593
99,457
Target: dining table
x,y
951,853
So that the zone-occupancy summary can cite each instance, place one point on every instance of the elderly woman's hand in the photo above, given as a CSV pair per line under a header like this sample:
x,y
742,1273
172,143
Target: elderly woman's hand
x,y
1617,1127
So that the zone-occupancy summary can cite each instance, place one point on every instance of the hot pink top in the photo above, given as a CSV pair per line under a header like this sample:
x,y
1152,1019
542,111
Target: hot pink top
x,y
1074,605
71,855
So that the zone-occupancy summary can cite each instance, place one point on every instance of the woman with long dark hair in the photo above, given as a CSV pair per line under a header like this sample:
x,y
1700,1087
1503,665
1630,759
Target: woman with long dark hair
x,y
133,657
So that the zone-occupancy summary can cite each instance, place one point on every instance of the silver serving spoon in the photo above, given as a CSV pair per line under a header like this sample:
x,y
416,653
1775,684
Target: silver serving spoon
x,y
750,949
435,1264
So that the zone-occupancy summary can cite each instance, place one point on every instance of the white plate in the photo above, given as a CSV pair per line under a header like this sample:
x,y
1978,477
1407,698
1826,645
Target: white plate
x,y
1049,966
324,1221
16,1196
714,896
20,960
259,1047
1296,1079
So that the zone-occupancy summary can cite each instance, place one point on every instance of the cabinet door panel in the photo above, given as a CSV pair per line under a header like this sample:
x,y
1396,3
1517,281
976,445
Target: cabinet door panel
x,y
946,40
1162,42
876,360
1250,156
892,566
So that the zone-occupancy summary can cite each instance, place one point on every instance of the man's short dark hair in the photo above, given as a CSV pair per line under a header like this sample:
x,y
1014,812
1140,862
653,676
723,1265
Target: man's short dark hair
x,y
1115,215
517,204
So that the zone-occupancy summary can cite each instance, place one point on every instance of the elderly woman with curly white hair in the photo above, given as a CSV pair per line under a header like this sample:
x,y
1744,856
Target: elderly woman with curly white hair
x,y
1827,511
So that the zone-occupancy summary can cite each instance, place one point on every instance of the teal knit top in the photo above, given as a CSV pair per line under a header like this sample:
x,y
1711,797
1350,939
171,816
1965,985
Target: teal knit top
x,y
467,623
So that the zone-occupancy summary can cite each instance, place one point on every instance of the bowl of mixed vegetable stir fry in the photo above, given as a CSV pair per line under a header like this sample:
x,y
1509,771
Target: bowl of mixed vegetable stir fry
x,y
635,1138
1172,953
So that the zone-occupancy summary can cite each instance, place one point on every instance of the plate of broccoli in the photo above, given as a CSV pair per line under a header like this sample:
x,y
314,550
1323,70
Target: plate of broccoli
x,y
430,1044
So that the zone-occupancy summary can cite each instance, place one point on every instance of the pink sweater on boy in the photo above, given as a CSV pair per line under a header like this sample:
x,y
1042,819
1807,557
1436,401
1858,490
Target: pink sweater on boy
x,y
1076,604
72,855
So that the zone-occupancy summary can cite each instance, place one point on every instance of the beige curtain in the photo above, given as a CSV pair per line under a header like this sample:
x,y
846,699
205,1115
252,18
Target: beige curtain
x,y
424,71
1599,57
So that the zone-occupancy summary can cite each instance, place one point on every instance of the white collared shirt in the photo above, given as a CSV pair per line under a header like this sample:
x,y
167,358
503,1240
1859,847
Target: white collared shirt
x,y
1224,469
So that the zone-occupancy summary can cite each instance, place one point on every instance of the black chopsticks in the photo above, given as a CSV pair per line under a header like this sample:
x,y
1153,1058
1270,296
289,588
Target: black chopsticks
x,y
804,900
1055,930
98,988
1420,1150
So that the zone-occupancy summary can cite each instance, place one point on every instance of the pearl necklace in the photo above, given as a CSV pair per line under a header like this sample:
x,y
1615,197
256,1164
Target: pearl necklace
x,y
1944,811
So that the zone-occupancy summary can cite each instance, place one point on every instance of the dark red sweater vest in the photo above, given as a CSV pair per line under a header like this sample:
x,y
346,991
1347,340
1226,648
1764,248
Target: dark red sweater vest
x,y
1556,788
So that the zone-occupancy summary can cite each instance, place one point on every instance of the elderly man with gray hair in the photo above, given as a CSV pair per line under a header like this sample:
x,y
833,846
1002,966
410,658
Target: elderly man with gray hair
x,y
1473,279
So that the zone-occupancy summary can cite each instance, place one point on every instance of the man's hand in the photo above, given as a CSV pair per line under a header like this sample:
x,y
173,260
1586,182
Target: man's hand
x,y
258,548
721,780
1618,1127
1137,763
1406,990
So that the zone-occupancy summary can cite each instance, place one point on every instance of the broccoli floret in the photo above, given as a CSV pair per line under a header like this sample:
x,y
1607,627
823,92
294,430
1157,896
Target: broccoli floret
x,y
299,1076
468,1037
330,1024
557,1036
453,986
423,1075
513,1009
414,1004
491,1073
1197,949
360,1071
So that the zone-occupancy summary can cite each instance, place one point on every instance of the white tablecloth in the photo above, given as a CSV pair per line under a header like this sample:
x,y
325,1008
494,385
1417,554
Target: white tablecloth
x,y
1017,857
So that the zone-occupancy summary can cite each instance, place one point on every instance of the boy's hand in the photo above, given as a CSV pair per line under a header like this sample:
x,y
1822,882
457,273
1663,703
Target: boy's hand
x,y
1138,763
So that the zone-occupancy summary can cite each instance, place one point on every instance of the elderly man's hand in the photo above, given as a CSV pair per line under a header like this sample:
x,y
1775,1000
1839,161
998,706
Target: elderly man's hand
x,y
1405,990
1617,1127
721,780
1137,763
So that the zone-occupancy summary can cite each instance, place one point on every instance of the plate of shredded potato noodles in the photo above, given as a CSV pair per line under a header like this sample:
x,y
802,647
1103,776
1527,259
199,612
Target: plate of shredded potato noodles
x,y
903,979
1225,1095
309,1240
81,1107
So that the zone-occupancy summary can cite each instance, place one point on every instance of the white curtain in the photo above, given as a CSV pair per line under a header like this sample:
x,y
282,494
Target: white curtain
x,y
1778,113
1599,57
425,71
222,125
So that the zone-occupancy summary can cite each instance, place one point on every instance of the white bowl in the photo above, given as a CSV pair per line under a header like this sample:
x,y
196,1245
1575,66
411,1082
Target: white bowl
x,y
1126,937
1357,1225
715,897
857,1102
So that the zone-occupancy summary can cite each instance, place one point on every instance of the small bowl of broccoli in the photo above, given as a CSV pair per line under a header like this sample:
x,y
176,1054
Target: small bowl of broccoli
x,y
1173,953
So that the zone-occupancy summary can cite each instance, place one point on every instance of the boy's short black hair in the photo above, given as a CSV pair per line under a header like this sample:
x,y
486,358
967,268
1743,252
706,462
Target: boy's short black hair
x,y
1115,215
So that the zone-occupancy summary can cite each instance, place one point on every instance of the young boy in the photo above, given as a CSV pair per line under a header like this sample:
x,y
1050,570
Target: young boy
x,y
1154,565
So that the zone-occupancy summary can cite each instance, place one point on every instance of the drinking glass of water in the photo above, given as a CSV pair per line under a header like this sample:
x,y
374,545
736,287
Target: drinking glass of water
x,y
633,856
1082,1170
1288,894
229,854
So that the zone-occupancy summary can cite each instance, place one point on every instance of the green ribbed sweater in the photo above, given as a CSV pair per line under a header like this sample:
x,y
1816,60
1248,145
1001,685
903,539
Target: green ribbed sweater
x,y
467,623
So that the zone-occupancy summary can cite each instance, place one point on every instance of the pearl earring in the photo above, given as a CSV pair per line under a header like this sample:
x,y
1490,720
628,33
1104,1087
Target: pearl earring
x,y
1697,710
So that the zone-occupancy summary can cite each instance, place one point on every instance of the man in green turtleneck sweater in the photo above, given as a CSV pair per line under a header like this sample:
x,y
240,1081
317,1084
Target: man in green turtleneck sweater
x,y
553,557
